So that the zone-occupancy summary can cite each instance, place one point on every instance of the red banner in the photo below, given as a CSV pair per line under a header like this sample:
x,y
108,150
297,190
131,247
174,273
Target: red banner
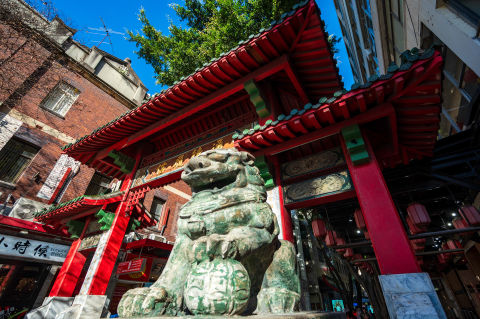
x,y
131,266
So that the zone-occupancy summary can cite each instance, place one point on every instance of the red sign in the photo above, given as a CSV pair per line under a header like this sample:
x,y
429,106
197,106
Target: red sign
x,y
131,266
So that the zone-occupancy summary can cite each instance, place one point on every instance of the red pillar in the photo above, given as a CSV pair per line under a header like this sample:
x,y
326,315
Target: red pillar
x,y
389,239
69,274
286,218
98,283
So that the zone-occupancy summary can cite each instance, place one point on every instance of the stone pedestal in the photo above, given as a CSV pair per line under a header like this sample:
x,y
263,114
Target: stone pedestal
x,y
84,307
50,308
411,296
295,315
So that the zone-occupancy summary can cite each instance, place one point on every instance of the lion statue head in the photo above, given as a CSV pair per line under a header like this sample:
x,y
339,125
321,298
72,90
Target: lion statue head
x,y
222,169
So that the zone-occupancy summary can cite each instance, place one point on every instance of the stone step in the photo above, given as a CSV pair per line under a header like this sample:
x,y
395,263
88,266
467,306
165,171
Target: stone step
x,y
296,315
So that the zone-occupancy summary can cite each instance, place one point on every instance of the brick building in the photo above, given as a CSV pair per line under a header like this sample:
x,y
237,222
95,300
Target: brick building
x,y
53,90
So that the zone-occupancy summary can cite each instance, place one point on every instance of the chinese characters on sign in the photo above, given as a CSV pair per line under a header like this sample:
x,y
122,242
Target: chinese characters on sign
x,y
12,246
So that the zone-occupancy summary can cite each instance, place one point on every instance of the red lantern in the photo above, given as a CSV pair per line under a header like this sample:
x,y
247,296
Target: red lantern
x,y
358,215
418,215
454,244
340,241
446,256
470,214
418,244
414,228
442,259
348,253
330,238
459,223
319,228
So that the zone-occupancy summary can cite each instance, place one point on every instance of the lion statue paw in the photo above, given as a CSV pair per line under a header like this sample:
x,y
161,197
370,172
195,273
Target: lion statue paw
x,y
147,302
277,300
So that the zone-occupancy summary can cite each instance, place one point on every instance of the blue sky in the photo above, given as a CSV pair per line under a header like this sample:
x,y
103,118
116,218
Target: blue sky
x,y
86,16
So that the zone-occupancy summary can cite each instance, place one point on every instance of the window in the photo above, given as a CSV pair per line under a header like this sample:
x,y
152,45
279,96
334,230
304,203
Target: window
x,y
460,85
157,207
469,9
99,185
14,158
60,99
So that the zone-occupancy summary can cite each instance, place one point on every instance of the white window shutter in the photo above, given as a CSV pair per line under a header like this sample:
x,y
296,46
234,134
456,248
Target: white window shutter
x,y
56,175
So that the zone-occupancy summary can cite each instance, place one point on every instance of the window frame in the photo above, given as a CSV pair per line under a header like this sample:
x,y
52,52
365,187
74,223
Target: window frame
x,y
157,200
98,185
53,92
465,12
24,166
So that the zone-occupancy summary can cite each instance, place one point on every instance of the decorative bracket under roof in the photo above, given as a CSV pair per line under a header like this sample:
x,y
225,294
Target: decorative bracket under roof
x,y
257,100
125,162
355,144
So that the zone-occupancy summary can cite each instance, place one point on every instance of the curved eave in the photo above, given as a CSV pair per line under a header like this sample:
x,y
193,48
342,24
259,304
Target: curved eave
x,y
413,90
300,35
75,207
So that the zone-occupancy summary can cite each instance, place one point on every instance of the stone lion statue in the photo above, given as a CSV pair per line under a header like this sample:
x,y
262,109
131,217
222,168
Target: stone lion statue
x,y
227,258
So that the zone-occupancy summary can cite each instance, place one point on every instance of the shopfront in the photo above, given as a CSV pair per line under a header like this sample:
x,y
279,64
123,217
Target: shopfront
x,y
29,261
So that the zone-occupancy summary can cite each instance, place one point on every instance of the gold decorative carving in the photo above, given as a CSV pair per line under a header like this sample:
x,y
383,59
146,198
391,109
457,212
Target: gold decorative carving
x,y
175,163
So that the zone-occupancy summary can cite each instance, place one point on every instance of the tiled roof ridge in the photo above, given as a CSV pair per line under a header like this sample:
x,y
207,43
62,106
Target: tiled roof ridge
x,y
408,57
273,24
75,200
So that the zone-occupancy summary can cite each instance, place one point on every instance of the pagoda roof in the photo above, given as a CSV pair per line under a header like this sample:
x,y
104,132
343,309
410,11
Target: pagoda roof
x,y
77,207
297,44
409,95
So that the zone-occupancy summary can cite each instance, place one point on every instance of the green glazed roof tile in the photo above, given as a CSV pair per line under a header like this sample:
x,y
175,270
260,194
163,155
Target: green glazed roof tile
x,y
373,78
307,106
295,7
405,66
355,86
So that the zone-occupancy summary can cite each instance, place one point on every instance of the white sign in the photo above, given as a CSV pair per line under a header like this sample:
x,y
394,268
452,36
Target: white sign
x,y
12,246
273,199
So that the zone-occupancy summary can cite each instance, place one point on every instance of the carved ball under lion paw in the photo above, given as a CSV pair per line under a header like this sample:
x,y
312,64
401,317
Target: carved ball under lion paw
x,y
217,287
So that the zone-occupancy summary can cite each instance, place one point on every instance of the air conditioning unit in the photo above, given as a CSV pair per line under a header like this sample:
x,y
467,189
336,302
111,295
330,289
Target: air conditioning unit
x,y
157,237
26,208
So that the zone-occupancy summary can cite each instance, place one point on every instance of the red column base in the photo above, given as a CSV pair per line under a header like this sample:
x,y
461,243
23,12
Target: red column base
x,y
69,274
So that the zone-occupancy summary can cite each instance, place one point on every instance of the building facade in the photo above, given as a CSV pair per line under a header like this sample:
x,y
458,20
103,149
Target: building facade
x,y
452,25
355,20
53,90
385,29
